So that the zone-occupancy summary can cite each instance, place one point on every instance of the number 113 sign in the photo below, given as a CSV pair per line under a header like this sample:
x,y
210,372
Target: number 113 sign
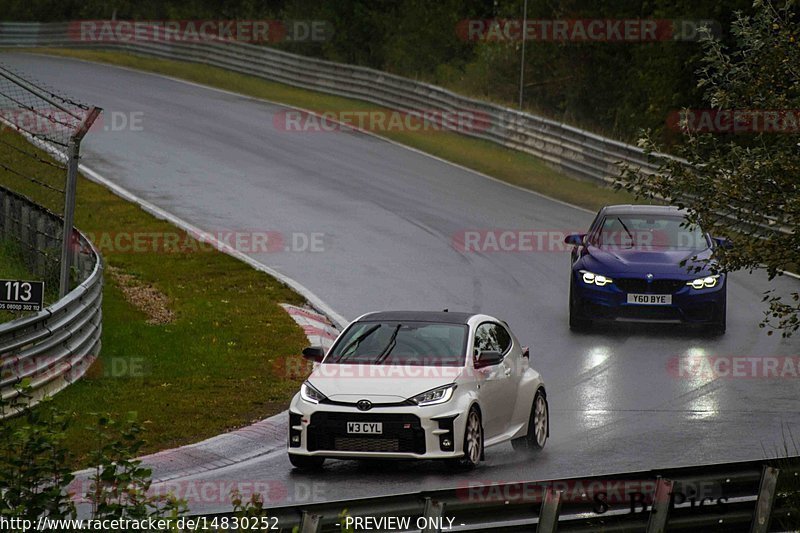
x,y
18,295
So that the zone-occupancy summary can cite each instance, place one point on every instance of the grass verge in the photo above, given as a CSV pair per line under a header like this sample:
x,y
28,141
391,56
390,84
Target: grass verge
x,y
12,266
514,167
210,366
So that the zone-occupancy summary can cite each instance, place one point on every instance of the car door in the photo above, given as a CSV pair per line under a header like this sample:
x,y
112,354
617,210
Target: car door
x,y
497,388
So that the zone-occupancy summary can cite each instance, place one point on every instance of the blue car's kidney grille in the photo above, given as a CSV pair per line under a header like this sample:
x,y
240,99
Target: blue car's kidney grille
x,y
657,286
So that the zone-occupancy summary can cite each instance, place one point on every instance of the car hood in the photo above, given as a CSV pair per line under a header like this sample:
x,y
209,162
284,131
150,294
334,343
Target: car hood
x,y
610,261
379,383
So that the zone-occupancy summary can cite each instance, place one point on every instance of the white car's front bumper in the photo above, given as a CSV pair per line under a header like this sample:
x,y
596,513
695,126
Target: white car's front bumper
x,y
409,432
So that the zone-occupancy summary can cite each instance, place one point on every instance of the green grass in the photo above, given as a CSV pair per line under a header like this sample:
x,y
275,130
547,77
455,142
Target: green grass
x,y
212,369
12,266
505,164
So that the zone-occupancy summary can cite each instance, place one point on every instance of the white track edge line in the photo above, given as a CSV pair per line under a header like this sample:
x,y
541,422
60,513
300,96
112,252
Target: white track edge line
x,y
298,287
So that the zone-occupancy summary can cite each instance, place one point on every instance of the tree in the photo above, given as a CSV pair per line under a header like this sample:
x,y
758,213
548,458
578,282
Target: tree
x,y
738,169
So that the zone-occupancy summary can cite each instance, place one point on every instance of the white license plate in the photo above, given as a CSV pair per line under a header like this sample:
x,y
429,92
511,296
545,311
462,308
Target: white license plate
x,y
650,299
365,428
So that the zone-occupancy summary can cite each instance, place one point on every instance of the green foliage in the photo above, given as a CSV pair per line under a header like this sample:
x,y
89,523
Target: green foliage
x,y
612,88
33,475
119,486
740,185
36,482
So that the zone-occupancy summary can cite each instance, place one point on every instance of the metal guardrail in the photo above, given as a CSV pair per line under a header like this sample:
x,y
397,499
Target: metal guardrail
x,y
572,150
56,346
724,497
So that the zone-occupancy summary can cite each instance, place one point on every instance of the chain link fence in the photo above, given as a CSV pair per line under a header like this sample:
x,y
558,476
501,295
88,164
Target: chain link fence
x,y
40,134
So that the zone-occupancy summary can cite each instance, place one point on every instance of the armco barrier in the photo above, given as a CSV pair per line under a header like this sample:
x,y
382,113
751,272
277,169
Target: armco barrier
x,y
755,496
56,346
574,151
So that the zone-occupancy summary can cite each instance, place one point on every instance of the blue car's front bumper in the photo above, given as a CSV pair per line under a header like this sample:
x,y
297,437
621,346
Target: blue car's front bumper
x,y
610,302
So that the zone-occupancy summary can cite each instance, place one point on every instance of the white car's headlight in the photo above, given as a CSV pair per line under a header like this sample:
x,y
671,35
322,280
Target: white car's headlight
x,y
310,394
704,283
597,279
434,396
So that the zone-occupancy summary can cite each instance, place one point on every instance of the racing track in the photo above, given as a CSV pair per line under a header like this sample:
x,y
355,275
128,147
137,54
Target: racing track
x,y
389,214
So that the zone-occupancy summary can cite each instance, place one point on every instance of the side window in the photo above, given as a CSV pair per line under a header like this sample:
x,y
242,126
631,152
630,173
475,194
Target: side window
x,y
492,337
503,338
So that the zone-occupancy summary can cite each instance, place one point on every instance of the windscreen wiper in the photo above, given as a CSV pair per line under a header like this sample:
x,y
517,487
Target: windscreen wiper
x,y
633,241
356,342
389,346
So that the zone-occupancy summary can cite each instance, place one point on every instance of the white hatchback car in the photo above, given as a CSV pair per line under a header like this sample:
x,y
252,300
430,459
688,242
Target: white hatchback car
x,y
418,385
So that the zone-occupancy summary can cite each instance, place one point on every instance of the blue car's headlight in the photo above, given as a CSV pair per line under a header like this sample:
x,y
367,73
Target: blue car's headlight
x,y
590,278
704,283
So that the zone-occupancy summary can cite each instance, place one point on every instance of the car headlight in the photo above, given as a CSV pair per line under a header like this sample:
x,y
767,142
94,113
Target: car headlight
x,y
434,396
704,283
310,394
596,279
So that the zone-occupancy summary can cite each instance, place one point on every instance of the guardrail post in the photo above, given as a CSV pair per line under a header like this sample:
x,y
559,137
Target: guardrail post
x,y
310,523
548,515
659,513
766,497
433,512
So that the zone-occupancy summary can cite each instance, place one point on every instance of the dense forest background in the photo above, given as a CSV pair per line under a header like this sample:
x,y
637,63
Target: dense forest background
x,y
616,89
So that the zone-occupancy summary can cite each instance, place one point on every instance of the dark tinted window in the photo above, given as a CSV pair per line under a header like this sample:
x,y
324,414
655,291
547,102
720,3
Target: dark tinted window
x,y
405,343
649,232
492,337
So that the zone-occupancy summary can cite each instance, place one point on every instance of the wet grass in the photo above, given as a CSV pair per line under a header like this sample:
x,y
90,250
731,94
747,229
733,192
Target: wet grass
x,y
212,367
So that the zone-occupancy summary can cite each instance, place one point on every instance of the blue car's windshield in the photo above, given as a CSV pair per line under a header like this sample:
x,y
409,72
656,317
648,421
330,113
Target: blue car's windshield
x,y
647,232
401,343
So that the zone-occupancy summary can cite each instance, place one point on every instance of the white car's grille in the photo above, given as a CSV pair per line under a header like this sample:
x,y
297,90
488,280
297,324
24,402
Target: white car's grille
x,y
360,444
401,432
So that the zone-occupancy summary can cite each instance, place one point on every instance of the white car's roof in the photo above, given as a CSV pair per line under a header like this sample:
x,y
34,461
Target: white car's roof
x,y
444,317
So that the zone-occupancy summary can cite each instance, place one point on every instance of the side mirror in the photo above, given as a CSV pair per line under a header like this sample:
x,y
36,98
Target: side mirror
x,y
488,358
314,353
526,352
575,239
723,242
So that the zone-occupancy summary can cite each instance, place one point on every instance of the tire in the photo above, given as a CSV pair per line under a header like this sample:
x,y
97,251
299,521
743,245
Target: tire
x,y
473,442
576,322
538,427
306,462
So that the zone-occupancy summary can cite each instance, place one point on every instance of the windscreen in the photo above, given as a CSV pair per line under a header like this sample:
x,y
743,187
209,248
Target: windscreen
x,y
401,343
647,232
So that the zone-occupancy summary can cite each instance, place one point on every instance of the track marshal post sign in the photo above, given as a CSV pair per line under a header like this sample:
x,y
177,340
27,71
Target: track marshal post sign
x,y
20,295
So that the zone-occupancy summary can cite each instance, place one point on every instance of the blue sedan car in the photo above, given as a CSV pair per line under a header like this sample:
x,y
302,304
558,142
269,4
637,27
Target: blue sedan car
x,y
645,263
